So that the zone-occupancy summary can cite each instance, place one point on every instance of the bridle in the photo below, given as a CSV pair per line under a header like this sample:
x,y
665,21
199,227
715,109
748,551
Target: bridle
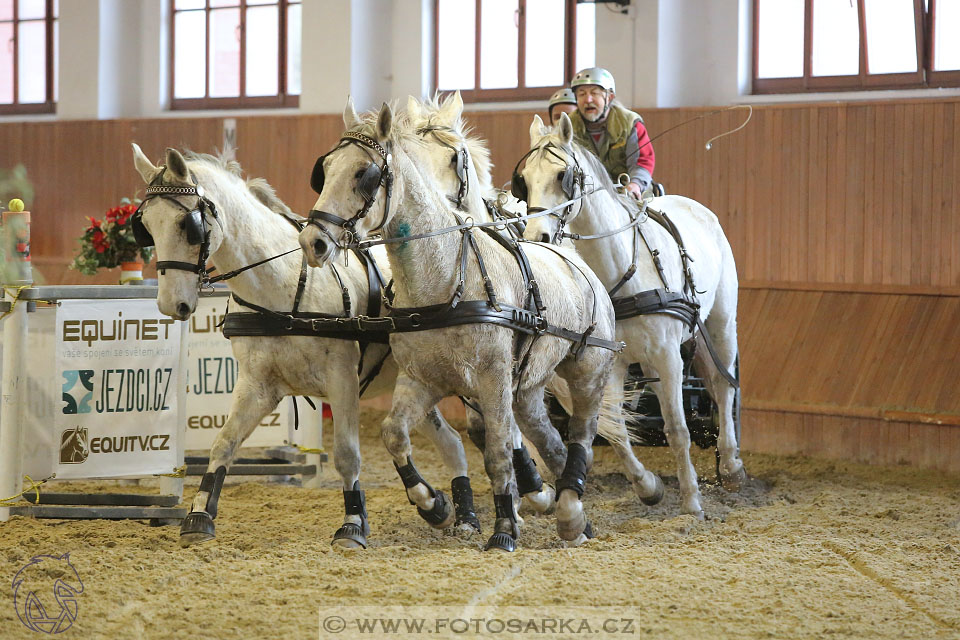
x,y
460,160
572,182
194,223
374,177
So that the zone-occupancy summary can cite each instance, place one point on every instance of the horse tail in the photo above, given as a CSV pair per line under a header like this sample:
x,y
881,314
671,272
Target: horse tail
x,y
613,409
611,422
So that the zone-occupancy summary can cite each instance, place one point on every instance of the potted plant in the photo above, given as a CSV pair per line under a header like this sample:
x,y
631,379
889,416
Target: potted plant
x,y
109,243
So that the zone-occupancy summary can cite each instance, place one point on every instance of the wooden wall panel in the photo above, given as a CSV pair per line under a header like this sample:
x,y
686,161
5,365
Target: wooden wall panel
x,y
843,219
851,353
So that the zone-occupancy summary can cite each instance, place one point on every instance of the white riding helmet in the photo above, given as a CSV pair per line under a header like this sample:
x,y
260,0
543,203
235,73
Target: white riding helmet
x,y
594,75
563,96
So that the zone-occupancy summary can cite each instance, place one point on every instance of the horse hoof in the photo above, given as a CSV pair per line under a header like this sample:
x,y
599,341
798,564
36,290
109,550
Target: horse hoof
x,y
657,495
197,527
350,536
543,501
468,523
441,515
501,542
735,481
571,529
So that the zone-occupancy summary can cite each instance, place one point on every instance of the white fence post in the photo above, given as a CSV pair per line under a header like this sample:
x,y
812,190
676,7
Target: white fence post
x,y
13,403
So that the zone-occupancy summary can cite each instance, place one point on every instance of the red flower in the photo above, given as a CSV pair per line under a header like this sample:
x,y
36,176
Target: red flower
x,y
125,212
94,223
99,241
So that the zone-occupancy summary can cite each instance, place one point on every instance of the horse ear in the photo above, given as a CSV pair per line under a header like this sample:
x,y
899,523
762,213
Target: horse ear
x,y
565,129
143,165
350,117
452,107
385,121
176,164
413,108
536,129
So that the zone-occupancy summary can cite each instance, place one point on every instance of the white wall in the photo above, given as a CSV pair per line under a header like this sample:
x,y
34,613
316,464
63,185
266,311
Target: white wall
x,y
664,53
698,52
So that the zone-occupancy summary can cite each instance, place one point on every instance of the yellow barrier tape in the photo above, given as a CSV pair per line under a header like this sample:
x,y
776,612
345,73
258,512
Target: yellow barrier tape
x,y
309,450
16,298
34,486
178,472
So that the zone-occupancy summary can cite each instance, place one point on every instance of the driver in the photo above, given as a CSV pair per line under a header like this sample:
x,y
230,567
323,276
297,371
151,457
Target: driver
x,y
615,134
563,101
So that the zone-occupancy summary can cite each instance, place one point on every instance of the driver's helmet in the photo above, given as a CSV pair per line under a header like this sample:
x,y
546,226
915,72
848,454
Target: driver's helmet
x,y
563,96
594,75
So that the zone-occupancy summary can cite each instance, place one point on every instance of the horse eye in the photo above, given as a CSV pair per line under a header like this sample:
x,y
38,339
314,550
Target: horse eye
x,y
454,158
560,176
358,174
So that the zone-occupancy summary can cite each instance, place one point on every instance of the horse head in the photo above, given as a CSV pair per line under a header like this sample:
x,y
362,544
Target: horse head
x,y
458,161
179,217
549,175
355,183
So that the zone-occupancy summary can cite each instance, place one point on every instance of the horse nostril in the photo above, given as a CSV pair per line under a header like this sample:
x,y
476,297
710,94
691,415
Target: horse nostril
x,y
183,310
544,237
319,247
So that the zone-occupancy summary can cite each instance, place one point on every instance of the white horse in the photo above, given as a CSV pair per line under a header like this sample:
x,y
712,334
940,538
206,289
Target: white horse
x,y
459,162
249,224
471,360
652,340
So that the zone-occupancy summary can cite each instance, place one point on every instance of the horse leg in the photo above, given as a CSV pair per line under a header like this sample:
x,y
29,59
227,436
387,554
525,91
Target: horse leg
x,y
475,429
343,394
647,485
249,407
531,415
496,403
411,402
587,388
722,327
447,440
668,366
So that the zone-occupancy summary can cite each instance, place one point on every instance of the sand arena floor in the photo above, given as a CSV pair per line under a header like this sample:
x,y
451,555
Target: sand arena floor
x,y
810,549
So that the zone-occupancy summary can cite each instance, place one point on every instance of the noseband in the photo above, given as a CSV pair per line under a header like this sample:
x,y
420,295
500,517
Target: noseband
x,y
195,223
386,181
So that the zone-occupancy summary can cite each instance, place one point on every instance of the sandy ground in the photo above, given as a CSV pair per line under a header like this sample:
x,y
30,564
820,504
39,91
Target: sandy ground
x,y
811,548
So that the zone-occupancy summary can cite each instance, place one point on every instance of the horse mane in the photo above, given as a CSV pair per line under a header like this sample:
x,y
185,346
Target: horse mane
x,y
477,146
259,188
223,160
267,196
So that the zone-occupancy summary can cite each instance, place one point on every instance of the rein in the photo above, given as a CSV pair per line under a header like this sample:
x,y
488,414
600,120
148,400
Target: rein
x,y
364,244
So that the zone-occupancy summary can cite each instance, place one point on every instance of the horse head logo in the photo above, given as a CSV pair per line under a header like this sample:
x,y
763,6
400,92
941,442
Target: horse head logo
x,y
45,593
73,446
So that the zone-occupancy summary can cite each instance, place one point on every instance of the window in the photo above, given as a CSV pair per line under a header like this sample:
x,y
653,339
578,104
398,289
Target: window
x,y
828,45
28,56
235,53
510,49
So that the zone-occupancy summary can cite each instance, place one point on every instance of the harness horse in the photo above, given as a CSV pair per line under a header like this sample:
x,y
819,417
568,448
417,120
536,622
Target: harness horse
x,y
671,274
463,304
303,333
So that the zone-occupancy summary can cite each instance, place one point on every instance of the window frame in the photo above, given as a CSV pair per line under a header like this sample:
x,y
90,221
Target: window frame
x,y
520,92
923,77
281,100
50,104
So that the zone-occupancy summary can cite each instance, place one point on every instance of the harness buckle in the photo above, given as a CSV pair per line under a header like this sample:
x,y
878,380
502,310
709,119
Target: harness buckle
x,y
374,323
